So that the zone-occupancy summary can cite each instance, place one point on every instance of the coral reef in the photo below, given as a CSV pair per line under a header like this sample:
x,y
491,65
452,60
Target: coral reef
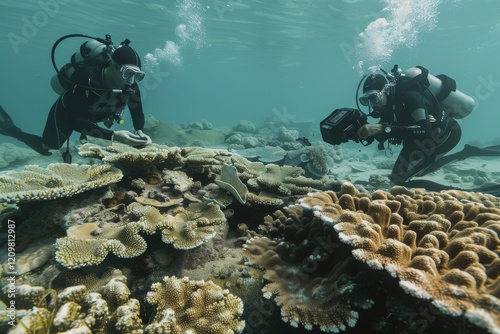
x,y
126,155
229,181
89,243
35,183
441,247
245,126
77,310
11,155
198,307
328,255
324,301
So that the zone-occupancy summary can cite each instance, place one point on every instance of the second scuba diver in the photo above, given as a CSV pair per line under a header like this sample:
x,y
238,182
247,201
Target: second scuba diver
x,y
95,87
420,119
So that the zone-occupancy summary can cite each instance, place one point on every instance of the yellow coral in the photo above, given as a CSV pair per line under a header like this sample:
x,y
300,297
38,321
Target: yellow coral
x,y
197,307
89,244
127,155
439,247
431,258
188,229
35,183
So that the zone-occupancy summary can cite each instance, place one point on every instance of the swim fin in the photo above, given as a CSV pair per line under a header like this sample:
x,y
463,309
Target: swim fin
x,y
5,121
467,152
473,151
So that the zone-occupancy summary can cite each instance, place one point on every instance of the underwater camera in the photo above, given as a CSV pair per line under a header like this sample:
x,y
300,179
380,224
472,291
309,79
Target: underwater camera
x,y
342,125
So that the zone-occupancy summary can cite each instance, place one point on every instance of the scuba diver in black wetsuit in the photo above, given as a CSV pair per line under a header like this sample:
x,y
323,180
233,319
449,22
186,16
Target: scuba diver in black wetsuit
x,y
95,87
418,110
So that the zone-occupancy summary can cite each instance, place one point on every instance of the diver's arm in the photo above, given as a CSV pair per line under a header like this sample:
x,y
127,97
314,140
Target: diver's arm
x,y
421,129
385,131
135,107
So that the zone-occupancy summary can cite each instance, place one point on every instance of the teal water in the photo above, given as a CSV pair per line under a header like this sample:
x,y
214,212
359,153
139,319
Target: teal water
x,y
226,61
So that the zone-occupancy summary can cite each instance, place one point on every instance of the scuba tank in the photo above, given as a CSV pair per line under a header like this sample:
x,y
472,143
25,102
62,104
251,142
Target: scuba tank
x,y
444,89
93,53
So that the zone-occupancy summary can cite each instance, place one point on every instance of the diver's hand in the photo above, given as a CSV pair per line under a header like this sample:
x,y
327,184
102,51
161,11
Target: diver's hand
x,y
126,137
370,130
144,136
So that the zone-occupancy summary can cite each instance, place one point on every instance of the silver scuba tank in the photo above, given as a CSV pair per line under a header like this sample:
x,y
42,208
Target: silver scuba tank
x,y
91,52
456,104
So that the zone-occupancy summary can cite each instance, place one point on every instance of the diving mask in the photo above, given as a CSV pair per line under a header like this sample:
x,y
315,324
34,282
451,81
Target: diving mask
x,y
132,73
371,98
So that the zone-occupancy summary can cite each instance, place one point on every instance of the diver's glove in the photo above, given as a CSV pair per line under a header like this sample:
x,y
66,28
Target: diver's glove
x,y
370,130
129,138
144,136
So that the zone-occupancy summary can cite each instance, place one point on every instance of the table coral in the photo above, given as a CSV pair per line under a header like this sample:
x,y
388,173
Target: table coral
x,y
89,244
197,307
130,156
187,229
58,180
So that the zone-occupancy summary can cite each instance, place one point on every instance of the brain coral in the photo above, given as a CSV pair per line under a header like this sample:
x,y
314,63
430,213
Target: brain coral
x,y
35,183
196,307
439,248
443,248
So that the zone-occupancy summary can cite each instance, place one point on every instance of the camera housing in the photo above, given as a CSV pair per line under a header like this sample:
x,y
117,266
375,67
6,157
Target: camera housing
x,y
342,125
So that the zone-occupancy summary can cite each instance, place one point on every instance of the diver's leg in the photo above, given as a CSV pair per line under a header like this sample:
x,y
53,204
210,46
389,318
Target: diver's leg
x,y
57,128
411,160
467,152
427,185
8,128
453,134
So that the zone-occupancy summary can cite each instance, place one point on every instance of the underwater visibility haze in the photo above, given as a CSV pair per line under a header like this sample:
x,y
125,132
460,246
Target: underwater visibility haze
x,y
238,215
225,61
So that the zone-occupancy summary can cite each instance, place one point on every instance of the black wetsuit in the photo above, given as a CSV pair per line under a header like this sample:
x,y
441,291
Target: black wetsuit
x,y
424,141
80,109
